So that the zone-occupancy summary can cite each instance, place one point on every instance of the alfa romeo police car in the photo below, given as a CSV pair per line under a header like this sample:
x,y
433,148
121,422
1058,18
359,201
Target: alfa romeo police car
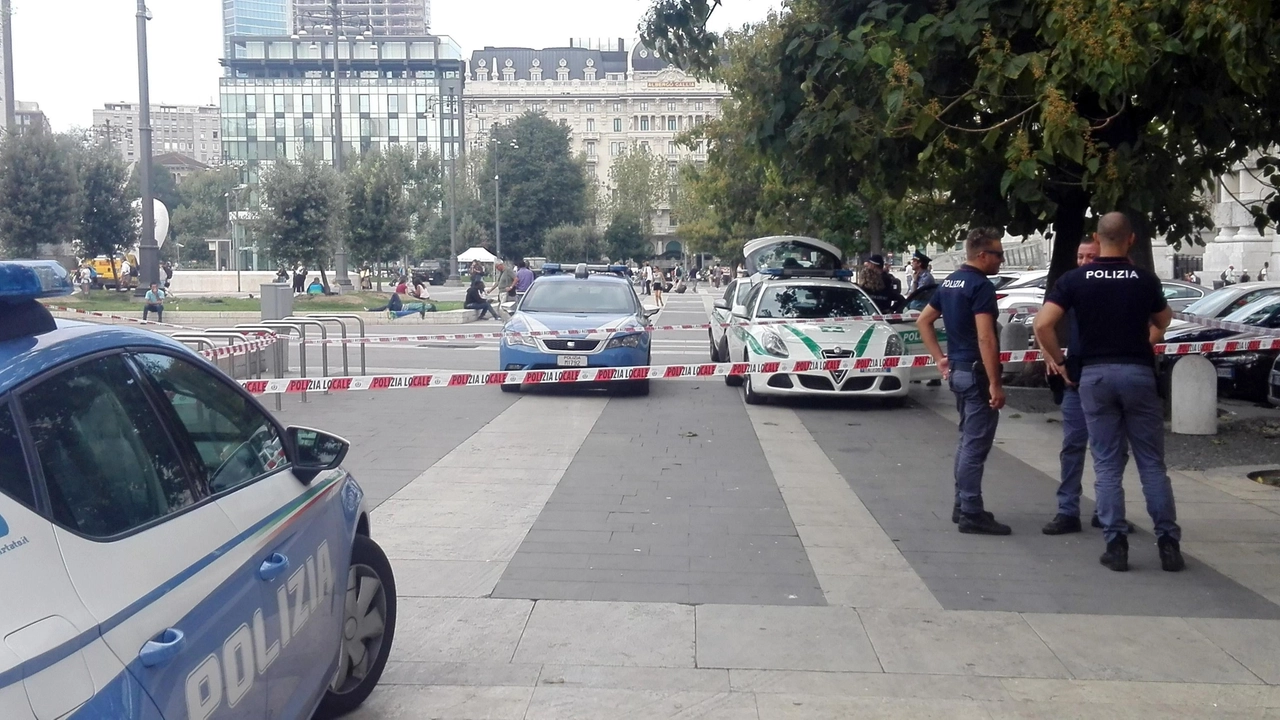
x,y
167,550
800,278
596,299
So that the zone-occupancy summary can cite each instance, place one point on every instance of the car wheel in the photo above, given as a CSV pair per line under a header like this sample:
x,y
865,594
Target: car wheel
x,y
715,349
733,380
749,394
369,626
511,387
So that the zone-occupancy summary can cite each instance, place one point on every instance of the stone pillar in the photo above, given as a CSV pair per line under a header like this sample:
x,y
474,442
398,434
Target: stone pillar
x,y
1194,396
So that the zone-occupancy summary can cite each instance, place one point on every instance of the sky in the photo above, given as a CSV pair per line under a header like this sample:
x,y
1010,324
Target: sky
x,y
72,56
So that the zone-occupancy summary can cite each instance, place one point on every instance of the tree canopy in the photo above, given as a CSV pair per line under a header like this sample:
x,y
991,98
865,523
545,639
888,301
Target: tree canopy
x,y
39,193
107,223
379,211
1029,114
303,211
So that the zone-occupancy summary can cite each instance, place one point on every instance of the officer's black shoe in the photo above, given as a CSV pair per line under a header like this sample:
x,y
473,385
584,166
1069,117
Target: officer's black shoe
x,y
1170,555
1062,524
955,513
1117,555
1095,522
983,523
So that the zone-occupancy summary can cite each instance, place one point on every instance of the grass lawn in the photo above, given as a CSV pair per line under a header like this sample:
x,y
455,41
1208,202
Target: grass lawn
x,y
112,302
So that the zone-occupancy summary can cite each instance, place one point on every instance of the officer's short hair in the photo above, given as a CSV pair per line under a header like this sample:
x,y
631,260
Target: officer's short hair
x,y
980,239
1114,227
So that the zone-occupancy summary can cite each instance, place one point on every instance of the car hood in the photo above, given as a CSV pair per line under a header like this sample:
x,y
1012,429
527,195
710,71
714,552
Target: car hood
x,y
1191,333
809,340
597,323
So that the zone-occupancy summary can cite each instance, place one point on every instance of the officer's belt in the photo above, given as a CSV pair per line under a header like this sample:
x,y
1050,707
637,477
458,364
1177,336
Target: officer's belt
x,y
1118,360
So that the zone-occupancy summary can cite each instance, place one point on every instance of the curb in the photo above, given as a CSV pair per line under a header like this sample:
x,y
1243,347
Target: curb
x,y
177,317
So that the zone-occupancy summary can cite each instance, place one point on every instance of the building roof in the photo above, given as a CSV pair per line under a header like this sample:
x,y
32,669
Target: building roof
x,y
522,60
173,160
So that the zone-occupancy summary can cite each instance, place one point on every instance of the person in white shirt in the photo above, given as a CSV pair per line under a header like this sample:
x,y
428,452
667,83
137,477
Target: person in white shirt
x,y
122,279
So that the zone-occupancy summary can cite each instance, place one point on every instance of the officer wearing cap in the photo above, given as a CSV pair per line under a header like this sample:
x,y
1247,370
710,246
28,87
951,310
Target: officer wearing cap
x,y
921,276
885,289
966,302
1120,312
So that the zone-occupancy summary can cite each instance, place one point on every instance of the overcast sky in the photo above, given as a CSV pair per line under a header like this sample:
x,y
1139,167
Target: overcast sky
x,y
74,55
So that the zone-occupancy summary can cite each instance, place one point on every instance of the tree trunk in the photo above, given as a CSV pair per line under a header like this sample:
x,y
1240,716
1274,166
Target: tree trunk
x,y
324,281
875,230
1142,253
1068,231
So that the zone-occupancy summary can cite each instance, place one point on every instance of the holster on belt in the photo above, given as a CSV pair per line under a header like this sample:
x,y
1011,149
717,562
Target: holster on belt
x,y
981,381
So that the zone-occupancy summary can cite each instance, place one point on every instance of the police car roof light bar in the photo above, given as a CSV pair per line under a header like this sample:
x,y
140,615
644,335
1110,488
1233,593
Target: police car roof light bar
x,y
22,280
785,272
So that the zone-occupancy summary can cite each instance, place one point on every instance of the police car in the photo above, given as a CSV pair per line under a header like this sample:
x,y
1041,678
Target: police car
x,y
800,278
596,299
167,550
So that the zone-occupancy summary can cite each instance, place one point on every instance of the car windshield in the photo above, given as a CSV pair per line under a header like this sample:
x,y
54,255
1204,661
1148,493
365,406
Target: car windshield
x,y
1263,313
1031,280
1227,300
791,301
580,296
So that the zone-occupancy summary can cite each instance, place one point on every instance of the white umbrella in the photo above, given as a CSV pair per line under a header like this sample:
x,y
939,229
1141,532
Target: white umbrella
x,y
477,253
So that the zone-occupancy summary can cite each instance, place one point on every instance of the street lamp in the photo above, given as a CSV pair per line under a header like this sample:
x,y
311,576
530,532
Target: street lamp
x,y
148,250
334,21
497,190
233,249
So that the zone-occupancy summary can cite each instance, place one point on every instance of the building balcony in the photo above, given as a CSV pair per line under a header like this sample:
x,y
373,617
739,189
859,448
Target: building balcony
x,y
589,135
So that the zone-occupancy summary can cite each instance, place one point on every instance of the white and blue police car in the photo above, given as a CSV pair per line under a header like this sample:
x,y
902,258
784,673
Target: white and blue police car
x,y
167,550
595,298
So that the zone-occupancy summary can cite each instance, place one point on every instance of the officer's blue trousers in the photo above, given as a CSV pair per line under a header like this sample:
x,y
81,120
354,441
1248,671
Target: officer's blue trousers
x,y
977,431
1122,407
1075,439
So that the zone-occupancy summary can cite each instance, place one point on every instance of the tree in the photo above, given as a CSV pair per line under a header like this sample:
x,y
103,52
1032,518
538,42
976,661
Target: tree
x,y
638,182
625,238
425,189
472,212
1028,115
164,187
379,213
572,244
303,212
39,193
203,213
108,224
543,185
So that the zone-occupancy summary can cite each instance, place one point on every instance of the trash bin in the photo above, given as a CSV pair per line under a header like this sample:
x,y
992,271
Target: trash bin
x,y
277,301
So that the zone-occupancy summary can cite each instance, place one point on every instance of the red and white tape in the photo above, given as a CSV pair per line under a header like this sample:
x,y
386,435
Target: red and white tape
x,y
448,378
1232,326
238,349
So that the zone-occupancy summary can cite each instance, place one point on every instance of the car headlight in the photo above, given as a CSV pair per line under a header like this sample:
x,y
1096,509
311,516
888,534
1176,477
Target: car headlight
x,y
773,343
624,341
894,346
513,338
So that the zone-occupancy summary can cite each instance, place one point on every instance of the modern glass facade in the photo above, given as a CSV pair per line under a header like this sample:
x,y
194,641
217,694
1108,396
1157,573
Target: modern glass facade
x,y
255,17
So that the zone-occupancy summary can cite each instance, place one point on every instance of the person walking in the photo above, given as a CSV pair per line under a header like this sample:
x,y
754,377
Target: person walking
x,y
154,302
122,280
1121,313
659,285
1265,272
476,270
966,302
646,277
503,280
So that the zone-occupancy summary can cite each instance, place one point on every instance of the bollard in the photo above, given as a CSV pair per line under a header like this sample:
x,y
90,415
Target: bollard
x,y
1013,337
1194,396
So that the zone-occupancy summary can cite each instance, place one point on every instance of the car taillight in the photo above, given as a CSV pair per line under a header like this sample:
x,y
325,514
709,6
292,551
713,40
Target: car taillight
x,y
1001,296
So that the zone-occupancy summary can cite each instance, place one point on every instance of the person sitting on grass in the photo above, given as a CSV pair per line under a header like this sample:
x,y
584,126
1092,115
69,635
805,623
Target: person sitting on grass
x,y
154,303
477,301
315,288
397,308
420,292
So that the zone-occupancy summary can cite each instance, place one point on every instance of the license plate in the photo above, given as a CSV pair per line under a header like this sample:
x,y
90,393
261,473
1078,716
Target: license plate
x,y
875,371
571,360
1226,373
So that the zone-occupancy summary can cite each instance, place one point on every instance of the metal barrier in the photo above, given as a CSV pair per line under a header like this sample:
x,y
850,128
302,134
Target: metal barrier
x,y
253,361
340,319
200,340
281,347
284,328
301,323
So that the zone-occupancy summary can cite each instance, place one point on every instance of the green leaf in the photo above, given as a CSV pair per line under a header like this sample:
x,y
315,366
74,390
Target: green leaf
x,y
991,138
1015,66
1006,181
880,55
893,102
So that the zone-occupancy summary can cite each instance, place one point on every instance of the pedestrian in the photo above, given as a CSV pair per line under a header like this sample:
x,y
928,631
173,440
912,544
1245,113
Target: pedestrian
x,y
85,279
477,271
503,280
1121,313
1265,272
659,284
921,275
1229,276
282,275
966,302
646,277
889,297
1244,276
122,280
154,302
300,280
524,277
166,273
1192,277
476,301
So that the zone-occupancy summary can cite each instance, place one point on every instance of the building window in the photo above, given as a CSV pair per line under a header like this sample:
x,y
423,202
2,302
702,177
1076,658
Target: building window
x,y
615,148
536,107
507,107
591,107
671,107
617,107
671,150
591,149
697,106
644,107
393,103
480,107
484,125
421,104
564,108
644,124
617,124
671,123
591,125
364,103
644,147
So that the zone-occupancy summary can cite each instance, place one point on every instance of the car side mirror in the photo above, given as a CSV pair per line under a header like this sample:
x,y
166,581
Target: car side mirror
x,y
313,452
721,304
651,310
508,307
740,311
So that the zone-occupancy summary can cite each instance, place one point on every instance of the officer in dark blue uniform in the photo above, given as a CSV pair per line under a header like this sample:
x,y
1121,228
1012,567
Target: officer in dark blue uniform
x,y
1121,313
966,302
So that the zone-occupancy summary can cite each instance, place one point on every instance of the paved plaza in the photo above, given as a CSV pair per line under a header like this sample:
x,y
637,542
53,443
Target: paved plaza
x,y
567,553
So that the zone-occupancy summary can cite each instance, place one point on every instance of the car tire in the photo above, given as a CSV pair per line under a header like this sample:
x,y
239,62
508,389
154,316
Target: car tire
x,y
733,380
511,387
346,691
639,388
749,394
715,348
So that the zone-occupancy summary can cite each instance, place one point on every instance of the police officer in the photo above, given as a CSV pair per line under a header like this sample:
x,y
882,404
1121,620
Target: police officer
x,y
921,275
966,302
1120,311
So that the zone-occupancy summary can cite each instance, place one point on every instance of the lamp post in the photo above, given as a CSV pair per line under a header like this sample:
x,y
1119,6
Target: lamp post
x,y
9,123
336,20
148,250
497,190
234,248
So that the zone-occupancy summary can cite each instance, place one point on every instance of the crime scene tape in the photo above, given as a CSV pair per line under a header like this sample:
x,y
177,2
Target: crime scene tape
x,y
448,378
253,346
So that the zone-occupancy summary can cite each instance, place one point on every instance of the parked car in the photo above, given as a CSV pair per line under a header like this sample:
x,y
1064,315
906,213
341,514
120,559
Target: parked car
x,y
1245,375
435,272
1224,301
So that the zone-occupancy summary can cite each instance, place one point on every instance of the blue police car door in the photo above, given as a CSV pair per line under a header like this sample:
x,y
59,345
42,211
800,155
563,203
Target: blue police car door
x,y
297,535
150,555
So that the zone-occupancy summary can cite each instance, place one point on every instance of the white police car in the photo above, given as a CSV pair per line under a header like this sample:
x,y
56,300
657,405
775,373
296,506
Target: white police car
x,y
167,550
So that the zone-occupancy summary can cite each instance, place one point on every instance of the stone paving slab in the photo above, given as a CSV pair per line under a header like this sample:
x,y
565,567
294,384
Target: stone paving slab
x,y
608,633
909,494
959,643
459,629
560,703
783,638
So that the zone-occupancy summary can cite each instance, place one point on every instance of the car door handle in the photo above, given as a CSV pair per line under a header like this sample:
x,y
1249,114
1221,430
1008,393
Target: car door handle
x,y
273,567
163,648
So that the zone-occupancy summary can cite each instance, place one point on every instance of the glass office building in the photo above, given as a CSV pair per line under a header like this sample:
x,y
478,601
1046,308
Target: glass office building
x,y
255,17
